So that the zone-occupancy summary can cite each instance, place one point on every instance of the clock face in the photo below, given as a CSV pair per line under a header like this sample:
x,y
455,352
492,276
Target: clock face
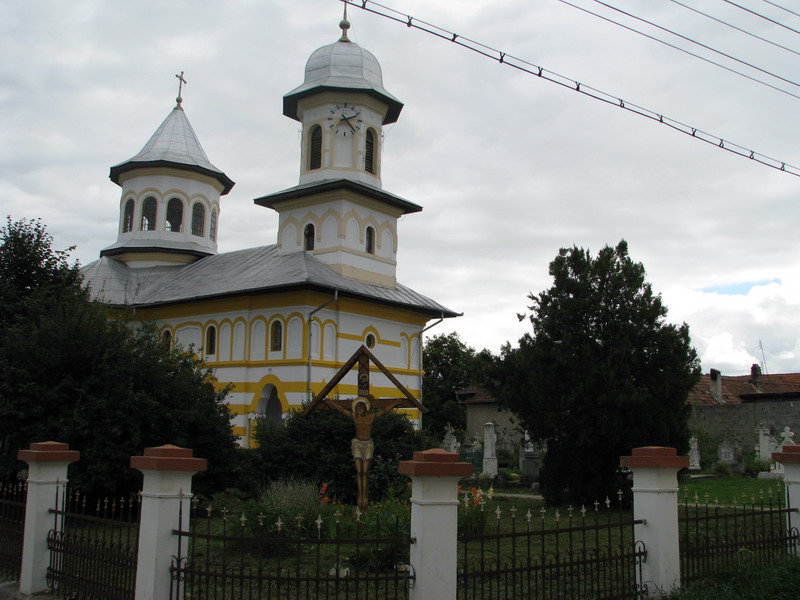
x,y
345,119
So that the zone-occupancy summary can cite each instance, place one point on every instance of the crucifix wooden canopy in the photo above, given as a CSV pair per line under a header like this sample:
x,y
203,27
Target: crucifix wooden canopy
x,y
361,358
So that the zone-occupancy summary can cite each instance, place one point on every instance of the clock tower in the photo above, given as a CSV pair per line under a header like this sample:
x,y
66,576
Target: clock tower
x,y
339,211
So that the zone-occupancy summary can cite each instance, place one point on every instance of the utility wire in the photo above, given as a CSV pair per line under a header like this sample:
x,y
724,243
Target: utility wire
x,y
684,50
713,18
782,8
752,12
504,58
702,45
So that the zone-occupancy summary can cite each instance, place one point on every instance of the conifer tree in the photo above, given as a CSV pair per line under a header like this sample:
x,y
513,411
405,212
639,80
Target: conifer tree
x,y
601,372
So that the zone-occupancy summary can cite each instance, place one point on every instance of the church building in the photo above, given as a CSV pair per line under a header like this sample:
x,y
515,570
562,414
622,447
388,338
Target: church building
x,y
277,321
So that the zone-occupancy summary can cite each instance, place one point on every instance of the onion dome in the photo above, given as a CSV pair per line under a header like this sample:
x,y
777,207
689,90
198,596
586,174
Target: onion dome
x,y
175,145
343,66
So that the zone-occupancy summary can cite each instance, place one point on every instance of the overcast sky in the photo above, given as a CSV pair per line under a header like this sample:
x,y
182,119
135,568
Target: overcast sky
x,y
508,167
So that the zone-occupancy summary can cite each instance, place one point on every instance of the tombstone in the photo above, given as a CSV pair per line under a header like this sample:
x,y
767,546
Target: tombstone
x,y
450,443
489,451
694,455
529,460
727,453
766,444
787,438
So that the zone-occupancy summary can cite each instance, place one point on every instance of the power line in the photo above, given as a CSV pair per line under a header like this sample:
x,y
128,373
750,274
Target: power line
x,y
713,18
684,50
688,39
782,8
752,12
524,66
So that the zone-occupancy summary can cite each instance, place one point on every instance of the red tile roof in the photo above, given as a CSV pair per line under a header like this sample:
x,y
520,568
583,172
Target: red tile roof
x,y
742,388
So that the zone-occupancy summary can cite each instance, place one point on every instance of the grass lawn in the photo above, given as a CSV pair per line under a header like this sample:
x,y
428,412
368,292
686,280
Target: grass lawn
x,y
726,489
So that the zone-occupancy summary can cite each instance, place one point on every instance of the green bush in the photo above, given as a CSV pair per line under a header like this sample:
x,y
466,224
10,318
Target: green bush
x,y
316,447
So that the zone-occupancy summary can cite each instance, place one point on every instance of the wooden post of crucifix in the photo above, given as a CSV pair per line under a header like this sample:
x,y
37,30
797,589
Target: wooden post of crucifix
x,y
181,81
359,411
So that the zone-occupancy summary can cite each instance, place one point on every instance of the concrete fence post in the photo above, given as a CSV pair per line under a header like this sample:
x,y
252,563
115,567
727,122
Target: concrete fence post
x,y
47,475
655,501
434,522
789,457
167,481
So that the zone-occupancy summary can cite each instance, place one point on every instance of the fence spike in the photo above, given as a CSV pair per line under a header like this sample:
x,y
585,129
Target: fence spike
x,y
224,512
497,512
583,511
513,511
279,524
528,516
243,520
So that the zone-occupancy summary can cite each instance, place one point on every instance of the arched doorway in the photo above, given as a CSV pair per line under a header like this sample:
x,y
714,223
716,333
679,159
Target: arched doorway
x,y
268,407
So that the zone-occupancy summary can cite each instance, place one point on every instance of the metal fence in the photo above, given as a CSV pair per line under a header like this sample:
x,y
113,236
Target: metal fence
x,y
12,524
93,547
237,557
716,536
556,553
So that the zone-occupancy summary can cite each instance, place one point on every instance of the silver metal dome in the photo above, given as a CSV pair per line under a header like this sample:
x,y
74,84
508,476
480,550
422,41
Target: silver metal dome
x,y
343,65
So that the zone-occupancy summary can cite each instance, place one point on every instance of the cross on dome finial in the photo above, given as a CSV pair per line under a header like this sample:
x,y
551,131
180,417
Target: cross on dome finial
x,y
344,24
181,81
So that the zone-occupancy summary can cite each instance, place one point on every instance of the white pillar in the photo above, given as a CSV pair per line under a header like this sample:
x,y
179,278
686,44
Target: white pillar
x,y
168,474
47,472
655,501
434,522
789,457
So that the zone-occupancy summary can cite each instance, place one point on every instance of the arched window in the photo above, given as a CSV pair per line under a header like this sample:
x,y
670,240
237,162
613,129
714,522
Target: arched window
x,y
211,340
308,236
149,214
127,219
175,215
276,336
198,219
370,246
315,148
212,228
369,152
370,340
167,337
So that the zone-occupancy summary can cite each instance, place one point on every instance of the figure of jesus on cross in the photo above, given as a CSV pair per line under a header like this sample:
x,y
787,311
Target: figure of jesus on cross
x,y
362,445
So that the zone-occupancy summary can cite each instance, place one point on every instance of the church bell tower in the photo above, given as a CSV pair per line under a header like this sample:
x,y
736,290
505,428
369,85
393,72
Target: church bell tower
x,y
339,212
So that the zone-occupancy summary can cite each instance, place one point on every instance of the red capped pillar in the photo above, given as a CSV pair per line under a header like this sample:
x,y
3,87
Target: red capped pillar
x,y
789,457
434,521
655,502
47,477
168,472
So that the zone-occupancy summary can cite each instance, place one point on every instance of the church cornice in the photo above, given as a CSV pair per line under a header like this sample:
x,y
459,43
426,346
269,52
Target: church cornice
x,y
118,171
329,185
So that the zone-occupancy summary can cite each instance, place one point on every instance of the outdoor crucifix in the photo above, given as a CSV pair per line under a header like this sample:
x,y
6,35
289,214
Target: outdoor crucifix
x,y
359,409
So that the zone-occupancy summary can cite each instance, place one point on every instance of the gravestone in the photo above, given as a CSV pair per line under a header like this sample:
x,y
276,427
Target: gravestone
x,y
529,461
766,444
450,443
694,455
489,451
727,452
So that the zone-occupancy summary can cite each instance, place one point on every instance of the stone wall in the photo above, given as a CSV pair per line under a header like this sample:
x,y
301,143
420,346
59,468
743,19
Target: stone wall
x,y
740,421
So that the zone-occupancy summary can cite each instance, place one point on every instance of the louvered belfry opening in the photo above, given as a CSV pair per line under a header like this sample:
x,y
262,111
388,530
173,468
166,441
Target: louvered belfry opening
x,y
315,154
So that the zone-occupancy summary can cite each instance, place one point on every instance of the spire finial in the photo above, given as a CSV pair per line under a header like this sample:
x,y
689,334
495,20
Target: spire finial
x,y
344,24
181,81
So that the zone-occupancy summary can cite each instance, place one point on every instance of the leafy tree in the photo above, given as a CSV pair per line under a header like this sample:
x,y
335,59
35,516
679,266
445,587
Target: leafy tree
x,y
601,372
450,365
71,372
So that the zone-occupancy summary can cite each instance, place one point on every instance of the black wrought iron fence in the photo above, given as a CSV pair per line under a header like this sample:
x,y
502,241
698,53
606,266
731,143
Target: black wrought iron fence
x,y
237,557
716,535
12,524
93,547
549,553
